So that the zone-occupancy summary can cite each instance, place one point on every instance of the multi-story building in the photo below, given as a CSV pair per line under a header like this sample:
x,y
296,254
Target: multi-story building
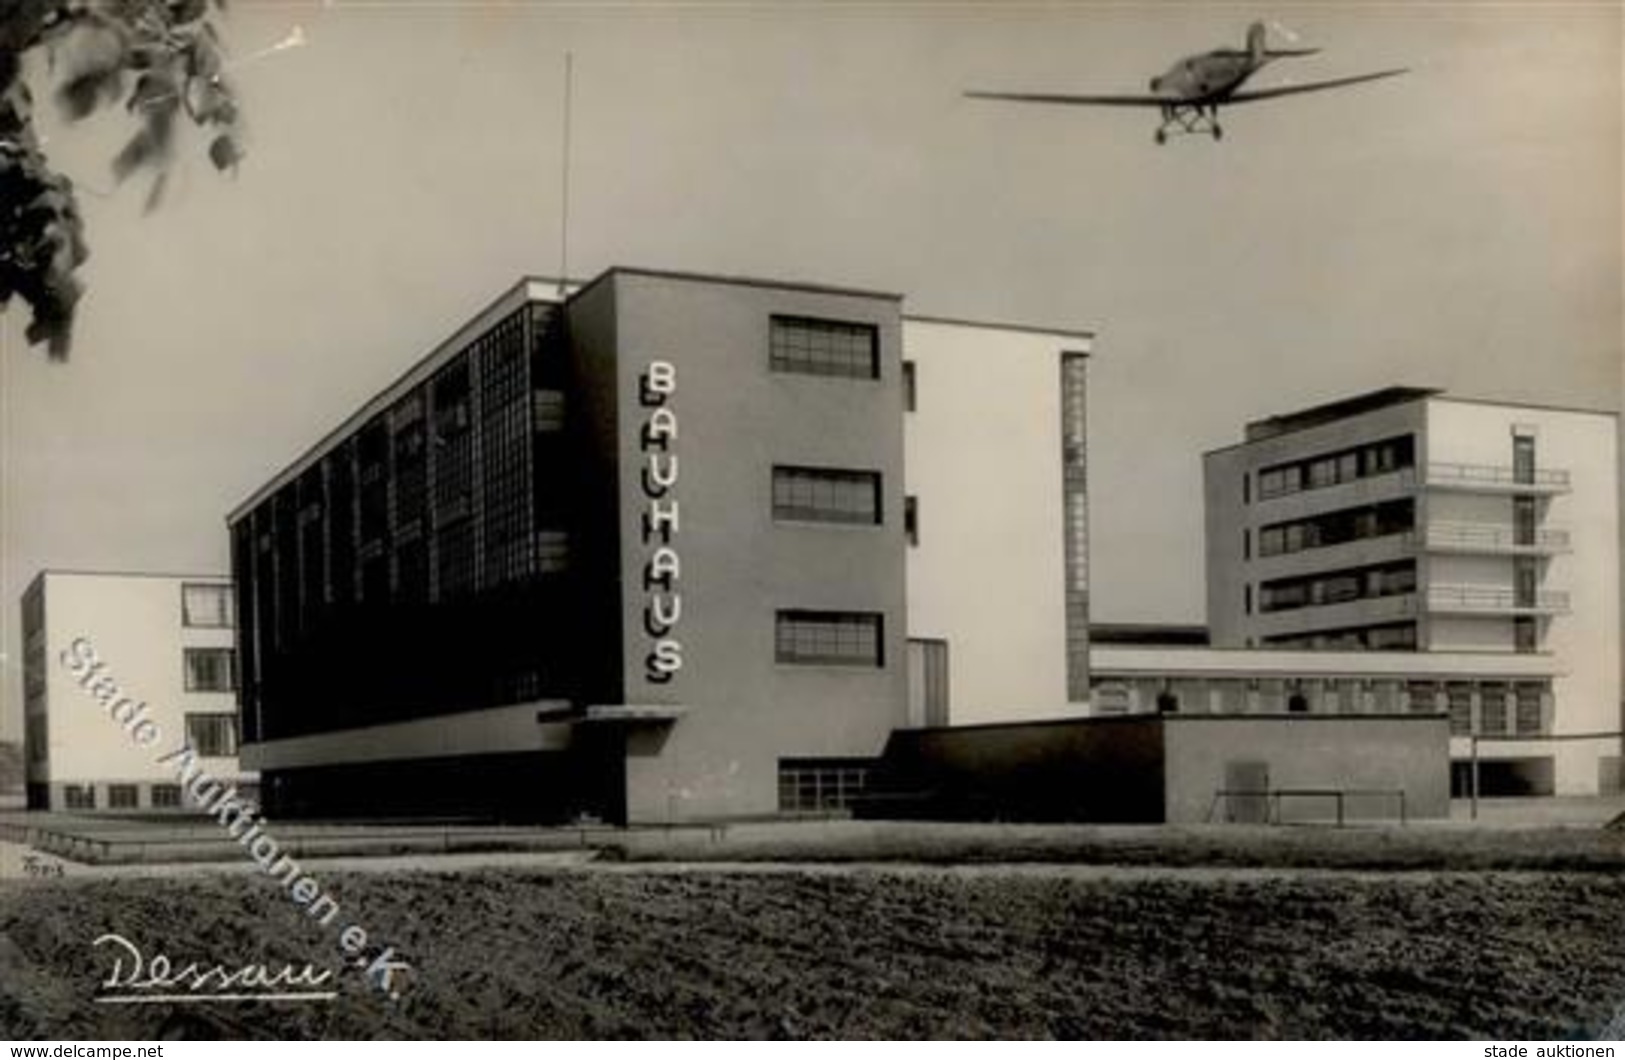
x,y
646,552
1406,520
164,646
998,575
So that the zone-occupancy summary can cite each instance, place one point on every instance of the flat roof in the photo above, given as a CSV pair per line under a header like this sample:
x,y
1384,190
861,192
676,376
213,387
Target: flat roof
x,y
1314,416
994,325
1332,411
534,288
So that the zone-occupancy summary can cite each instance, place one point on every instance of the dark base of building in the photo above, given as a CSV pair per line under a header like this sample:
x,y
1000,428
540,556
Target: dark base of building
x,y
530,788
1505,778
1168,768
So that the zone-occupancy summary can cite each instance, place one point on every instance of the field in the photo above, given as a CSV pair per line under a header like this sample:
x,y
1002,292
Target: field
x,y
1044,951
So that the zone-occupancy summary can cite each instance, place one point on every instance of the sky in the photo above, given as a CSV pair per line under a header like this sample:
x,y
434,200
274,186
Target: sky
x,y
1457,227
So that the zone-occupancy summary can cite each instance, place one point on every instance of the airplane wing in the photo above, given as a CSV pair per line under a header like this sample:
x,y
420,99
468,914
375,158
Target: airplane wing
x,y
1252,95
1098,101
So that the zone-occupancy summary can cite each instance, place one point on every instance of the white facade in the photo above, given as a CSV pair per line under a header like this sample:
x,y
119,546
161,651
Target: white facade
x,y
1409,520
1575,609
104,653
987,570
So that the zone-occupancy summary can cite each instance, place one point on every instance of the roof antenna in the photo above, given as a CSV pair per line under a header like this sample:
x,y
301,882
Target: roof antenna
x,y
564,204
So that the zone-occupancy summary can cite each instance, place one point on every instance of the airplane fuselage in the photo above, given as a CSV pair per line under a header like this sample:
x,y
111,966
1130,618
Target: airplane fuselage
x,y
1206,78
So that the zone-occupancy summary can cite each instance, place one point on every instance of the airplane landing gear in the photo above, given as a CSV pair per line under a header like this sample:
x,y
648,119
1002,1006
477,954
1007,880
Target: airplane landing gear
x,y
1183,119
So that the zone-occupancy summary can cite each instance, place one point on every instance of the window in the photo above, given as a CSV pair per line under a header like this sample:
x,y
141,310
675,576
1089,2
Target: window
x,y
79,796
1492,709
209,670
549,410
1525,636
1523,458
166,796
212,735
826,495
1523,520
909,382
1527,707
831,638
122,797
205,605
911,519
824,347
1459,696
812,785
552,551
1246,488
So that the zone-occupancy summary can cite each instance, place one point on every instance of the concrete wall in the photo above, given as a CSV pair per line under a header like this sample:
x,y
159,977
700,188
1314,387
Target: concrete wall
x,y
984,459
133,624
1404,753
737,419
1227,516
1094,770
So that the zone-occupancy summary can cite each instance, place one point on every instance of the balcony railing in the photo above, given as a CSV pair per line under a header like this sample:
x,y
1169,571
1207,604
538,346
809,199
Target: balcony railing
x,y
1486,537
1480,598
1499,478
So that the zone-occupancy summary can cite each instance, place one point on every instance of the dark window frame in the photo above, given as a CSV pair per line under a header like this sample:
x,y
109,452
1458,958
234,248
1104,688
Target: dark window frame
x,y
817,346
788,479
193,685
855,639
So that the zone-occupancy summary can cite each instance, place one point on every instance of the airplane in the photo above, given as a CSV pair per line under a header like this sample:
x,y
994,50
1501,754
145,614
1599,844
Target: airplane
x,y
1192,91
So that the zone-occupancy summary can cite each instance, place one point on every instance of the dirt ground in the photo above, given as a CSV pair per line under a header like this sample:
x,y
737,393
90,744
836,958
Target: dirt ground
x,y
640,952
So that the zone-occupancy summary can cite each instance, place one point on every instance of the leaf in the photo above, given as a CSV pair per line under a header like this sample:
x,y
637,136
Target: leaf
x,y
224,152
139,151
151,89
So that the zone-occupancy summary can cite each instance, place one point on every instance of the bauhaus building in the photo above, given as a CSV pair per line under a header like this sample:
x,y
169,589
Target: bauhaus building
x,y
642,551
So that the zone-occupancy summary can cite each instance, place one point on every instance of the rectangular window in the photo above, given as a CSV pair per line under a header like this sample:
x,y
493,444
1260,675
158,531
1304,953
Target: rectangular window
x,y
1523,520
552,551
79,796
910,373
829,638
209,670
549,410
1492,709
122,797
205,605
212,735
821,785
911,520
826,495
824,347
166,796
1526,704
1523,458
1246,488
1525,636
1459,695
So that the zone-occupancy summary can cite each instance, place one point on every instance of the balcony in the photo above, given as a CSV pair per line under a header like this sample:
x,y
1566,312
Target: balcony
x,y
1490,539
1482,600
1488,478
